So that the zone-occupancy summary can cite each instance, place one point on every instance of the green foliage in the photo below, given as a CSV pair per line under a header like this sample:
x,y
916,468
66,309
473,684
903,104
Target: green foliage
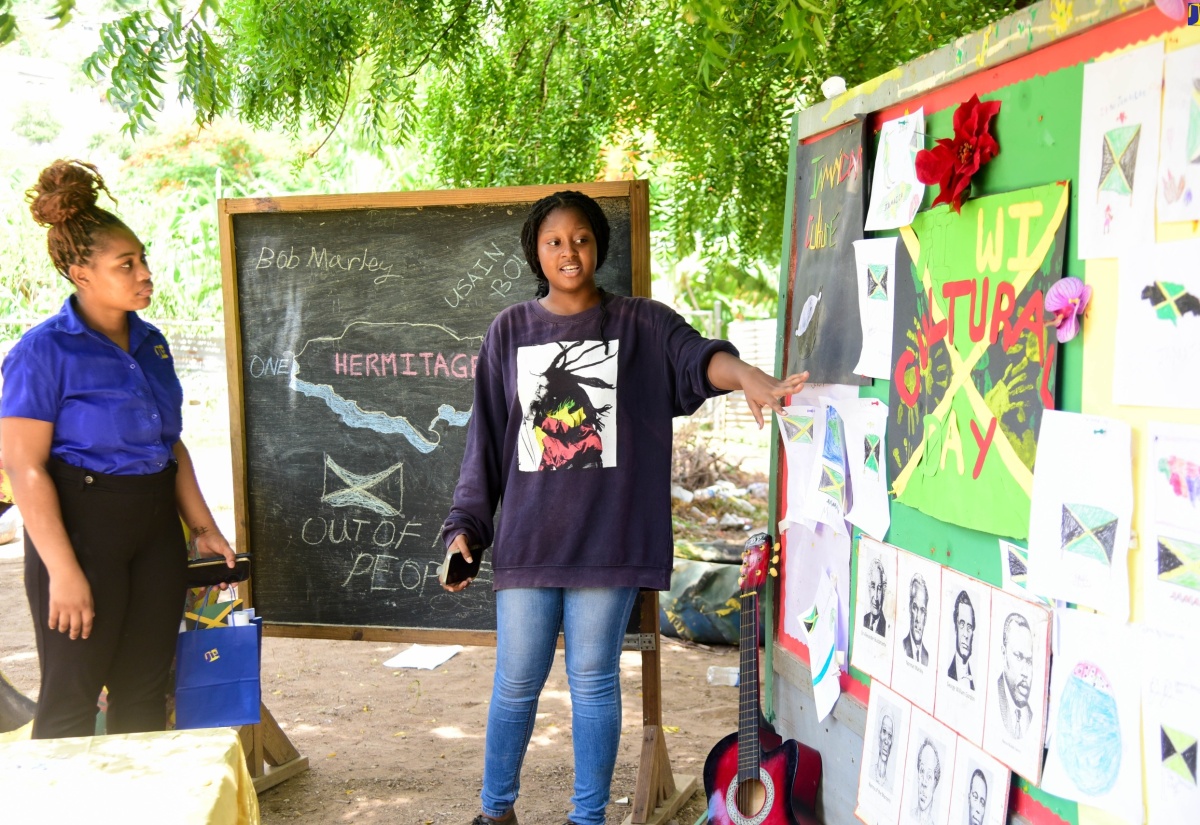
x,y
167,190
695,95
36,123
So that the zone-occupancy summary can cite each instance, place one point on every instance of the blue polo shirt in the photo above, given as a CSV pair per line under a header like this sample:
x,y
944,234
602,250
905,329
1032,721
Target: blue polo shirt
x,y
113,411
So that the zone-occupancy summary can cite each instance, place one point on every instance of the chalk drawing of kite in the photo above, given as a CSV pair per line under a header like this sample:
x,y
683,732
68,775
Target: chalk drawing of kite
x,y
1179,562
355,493
1179,753
1089,531
1171,301
1118,160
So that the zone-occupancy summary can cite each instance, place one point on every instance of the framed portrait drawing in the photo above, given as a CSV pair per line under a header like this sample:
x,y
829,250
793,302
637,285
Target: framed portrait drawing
x,y
963,664
881,769
928,770
918,622
1015,719
875,609
979,794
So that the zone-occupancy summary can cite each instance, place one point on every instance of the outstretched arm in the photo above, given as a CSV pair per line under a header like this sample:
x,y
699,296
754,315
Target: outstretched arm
x,y
727,372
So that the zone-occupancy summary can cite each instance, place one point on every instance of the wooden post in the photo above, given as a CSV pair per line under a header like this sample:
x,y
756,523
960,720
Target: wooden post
x,y
658,794
267,743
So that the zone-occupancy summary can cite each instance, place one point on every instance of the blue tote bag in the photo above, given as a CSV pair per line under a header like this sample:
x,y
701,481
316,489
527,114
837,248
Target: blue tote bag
x,y
217,681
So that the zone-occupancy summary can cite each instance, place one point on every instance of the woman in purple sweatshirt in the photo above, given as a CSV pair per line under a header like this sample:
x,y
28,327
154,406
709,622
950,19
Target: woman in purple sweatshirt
x,y
571,428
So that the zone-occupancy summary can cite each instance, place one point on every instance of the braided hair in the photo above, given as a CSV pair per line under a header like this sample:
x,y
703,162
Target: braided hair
x,y
64,200
592,213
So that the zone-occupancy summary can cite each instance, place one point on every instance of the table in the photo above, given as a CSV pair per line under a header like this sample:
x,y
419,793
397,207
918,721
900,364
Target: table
x,y
192,777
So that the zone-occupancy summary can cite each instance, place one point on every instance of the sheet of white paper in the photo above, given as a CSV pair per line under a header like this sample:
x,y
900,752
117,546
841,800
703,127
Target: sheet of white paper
x,y
895,191
962,676
866,454
979,795
825,498
1170,728
797,426
875,269
1079,517
928,770
1014,724
1158,327
423,657
918,617
822,648
1179,152
1171,544
875,622
810,553
1095,715
1118,151
880,787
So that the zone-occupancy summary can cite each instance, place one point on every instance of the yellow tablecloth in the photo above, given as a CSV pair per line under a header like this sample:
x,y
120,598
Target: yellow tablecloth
x,y
191,777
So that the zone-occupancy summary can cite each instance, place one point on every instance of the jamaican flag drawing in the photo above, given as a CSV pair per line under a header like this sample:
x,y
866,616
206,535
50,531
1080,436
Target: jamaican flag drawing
x,y
973,368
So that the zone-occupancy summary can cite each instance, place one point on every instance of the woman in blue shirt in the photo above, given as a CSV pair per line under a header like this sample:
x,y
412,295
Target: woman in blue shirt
x,y
90,422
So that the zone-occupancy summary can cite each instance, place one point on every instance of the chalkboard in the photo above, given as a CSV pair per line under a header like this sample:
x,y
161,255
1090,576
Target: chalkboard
x,y
353,325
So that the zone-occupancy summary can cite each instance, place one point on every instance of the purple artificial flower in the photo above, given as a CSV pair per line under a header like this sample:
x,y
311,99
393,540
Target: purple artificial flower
x,y
1067,299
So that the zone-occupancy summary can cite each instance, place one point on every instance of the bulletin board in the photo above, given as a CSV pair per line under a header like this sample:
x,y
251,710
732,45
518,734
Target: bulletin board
x,y
1033,63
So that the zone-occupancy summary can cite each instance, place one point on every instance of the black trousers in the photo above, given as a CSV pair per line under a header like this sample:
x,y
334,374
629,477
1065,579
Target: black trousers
x,y
129,541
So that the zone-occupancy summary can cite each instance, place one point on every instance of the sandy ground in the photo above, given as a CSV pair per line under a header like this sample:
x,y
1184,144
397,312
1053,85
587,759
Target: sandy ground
x,y
406,746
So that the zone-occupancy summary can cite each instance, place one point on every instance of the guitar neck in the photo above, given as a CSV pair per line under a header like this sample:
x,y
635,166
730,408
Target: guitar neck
x,y
749,747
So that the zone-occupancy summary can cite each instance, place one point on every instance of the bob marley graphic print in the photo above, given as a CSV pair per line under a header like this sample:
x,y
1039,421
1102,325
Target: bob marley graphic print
x,y
568,395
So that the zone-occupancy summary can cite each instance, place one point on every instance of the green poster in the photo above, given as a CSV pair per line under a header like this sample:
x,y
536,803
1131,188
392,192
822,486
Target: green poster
x,y
973,364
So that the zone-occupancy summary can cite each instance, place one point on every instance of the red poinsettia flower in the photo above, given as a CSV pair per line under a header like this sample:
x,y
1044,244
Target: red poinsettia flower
x,y
952,162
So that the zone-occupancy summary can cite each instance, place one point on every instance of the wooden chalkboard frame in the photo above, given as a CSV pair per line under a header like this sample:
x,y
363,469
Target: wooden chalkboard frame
x,y
637,193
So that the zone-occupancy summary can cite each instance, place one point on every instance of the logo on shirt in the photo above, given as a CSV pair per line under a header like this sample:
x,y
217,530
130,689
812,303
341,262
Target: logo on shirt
x,y
568,391
161,351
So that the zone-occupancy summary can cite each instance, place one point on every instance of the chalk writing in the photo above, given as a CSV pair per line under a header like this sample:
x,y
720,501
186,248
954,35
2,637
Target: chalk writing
x,y
426,364
323,259
510,271
270,366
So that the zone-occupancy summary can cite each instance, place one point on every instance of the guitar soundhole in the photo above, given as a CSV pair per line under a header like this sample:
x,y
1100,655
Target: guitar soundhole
x,y
750,802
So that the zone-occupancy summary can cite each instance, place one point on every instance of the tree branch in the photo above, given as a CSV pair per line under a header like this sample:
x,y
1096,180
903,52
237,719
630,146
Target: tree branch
x,y
341,114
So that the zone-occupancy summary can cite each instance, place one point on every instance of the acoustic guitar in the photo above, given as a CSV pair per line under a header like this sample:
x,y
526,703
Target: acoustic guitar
x,y
754,776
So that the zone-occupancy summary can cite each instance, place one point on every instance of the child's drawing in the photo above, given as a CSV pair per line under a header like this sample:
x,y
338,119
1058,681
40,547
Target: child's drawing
x,y
1158,326
1093,743
1119,133
1179,153
1089,531
1079,522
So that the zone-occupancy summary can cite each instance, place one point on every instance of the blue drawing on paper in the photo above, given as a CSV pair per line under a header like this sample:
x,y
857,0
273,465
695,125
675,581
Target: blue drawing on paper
x,y
1087,735
832,450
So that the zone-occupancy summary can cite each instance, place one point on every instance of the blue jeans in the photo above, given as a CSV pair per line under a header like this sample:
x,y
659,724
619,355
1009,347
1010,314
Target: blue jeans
x,y
593,621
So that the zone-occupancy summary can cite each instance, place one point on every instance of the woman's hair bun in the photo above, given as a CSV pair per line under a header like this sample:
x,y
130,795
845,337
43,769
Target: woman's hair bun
x,y
65,190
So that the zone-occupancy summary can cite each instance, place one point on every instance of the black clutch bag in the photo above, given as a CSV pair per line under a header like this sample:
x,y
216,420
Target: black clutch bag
x,y
212,571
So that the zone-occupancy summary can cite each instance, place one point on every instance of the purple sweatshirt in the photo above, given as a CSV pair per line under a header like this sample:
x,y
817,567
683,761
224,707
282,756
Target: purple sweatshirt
x,y
575,439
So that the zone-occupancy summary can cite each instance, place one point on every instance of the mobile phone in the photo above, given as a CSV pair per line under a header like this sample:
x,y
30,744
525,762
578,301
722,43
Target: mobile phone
x,y
212,570
454,568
